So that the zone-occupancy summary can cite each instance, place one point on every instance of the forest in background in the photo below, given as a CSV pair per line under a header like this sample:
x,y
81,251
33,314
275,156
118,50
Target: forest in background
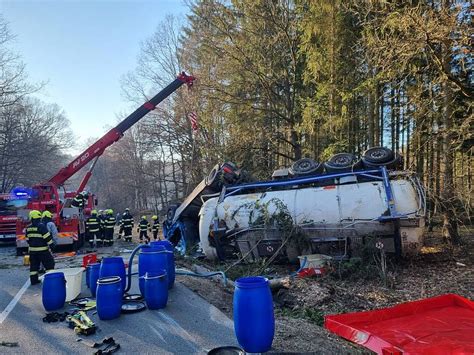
x,y
282,80
279,80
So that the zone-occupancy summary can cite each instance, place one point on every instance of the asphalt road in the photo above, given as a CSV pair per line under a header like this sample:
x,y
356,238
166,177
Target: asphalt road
x,y
188,325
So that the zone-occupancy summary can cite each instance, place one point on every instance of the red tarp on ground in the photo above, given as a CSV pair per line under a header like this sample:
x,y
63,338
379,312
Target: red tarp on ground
x,y
438,325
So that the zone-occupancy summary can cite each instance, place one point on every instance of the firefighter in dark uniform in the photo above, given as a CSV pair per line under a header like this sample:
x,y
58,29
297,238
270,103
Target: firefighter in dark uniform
x,y
126,225
102,218
93,229
109,224
143,227
39,241
155,227
80,200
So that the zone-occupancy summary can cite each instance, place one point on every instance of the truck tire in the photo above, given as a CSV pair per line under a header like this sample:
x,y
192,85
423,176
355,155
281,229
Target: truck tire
x,y
306,166
378,155
170,213
342,162
213,179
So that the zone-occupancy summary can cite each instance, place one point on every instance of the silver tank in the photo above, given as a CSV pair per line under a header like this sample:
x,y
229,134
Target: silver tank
x,y
334,211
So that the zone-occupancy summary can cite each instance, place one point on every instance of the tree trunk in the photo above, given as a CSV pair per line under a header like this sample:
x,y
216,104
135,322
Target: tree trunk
x,y
450,223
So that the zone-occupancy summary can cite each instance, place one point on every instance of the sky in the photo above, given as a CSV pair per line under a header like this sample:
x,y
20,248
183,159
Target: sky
x,y
82,48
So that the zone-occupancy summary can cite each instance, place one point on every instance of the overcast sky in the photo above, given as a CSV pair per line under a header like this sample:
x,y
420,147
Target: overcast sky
x,y
82,48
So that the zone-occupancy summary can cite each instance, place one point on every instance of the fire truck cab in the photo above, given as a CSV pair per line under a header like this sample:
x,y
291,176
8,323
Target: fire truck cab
x,y
69,220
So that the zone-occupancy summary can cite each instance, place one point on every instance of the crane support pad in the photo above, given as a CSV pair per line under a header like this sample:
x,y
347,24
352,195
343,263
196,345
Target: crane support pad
x,y
437,325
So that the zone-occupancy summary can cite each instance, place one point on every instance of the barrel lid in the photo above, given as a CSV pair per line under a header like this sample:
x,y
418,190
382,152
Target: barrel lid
x,y
226,350
133,297
52,274
133,306
94,265
155,275
251,282
109,280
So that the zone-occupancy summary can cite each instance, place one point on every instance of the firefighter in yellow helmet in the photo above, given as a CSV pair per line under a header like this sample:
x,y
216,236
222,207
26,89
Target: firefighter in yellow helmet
x,y
93,229
109,224
39,243
143,227
155,227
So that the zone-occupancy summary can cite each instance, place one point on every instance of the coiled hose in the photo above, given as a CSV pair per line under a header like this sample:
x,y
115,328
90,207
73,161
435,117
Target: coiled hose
x,y
178,271
130,262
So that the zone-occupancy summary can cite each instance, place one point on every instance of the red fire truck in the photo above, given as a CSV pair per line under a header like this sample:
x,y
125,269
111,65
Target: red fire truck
x,y
51,194
9,205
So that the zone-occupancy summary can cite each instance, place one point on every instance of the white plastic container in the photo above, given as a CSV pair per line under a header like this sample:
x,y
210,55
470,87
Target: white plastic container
x,y
314,261
73,281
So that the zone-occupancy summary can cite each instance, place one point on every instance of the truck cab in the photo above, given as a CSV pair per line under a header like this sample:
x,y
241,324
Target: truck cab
x,y
9,206
69,220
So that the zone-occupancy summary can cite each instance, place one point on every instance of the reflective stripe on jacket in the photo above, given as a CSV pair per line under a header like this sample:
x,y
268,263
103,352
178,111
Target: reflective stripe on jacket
x,y
143,225
78,201
93,224
109,222
38,237
156,226
127,221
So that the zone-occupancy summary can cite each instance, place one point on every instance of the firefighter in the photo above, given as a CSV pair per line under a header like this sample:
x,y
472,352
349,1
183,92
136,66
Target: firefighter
x,y
80,200
39,243
102,218
155,227
126,225
47,219
109,224
93,229
143,227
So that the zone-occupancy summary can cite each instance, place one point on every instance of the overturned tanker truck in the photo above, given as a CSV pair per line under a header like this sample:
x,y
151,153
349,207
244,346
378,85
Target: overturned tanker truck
x,y
334,208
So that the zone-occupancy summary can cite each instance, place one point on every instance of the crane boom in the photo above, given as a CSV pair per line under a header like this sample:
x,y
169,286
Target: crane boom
x,y
117,132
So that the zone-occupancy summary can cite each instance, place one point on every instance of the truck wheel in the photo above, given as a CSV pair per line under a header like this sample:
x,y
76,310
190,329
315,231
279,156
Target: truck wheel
x,y
213,179
170,215
306,166
378,155
341,162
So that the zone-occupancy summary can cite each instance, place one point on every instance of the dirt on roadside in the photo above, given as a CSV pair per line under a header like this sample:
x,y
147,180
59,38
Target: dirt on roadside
x,y
301,306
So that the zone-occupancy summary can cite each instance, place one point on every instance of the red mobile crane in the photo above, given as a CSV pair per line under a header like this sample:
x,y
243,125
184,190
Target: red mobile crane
x,y
49,195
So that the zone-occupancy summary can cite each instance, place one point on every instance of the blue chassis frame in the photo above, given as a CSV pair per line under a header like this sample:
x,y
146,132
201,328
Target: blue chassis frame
x,y
377,174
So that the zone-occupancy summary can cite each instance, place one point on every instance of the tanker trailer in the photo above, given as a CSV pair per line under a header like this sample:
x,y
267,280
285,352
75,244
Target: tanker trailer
x,y
333,213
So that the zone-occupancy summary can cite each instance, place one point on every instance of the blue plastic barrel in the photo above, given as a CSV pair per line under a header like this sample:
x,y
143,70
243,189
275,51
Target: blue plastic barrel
x,y
113,266
152,260
109,297
156,289
54,291
94,272
254,322
170,258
